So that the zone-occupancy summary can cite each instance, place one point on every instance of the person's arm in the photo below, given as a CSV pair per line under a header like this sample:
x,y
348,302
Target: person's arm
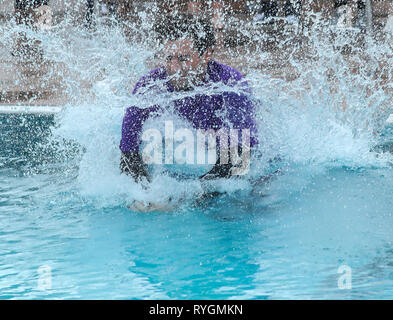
x,y
131,162
241,114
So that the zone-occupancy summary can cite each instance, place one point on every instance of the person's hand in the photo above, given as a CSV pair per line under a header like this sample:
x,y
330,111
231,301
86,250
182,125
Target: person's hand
x,y
131,163
217,172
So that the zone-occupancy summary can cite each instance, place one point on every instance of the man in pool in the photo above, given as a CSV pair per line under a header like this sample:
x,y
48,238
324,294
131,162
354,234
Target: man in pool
x,y
188,47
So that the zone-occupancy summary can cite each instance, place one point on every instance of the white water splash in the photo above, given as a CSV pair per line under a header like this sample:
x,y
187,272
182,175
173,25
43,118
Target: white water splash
x,y
329,115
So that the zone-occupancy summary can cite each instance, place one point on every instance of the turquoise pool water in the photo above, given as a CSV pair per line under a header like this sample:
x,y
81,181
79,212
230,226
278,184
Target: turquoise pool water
x,y
287,240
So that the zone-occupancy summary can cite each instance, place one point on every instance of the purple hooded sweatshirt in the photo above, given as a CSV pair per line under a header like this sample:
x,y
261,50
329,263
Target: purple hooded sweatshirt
x,y
202,111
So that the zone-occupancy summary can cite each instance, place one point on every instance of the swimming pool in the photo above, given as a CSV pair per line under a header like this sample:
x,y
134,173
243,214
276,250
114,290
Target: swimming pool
x,y
60,239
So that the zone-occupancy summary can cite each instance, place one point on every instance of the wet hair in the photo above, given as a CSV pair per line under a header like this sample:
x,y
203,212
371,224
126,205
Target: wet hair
x,y
173,28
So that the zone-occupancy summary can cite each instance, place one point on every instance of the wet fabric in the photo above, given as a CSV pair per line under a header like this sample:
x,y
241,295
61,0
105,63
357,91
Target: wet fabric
x,y
229,109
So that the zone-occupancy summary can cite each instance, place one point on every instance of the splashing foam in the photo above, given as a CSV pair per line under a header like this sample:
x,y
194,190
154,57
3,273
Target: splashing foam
x,y
328,114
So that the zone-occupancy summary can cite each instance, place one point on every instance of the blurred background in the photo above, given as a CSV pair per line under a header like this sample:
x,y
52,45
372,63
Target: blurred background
x,y
263,34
